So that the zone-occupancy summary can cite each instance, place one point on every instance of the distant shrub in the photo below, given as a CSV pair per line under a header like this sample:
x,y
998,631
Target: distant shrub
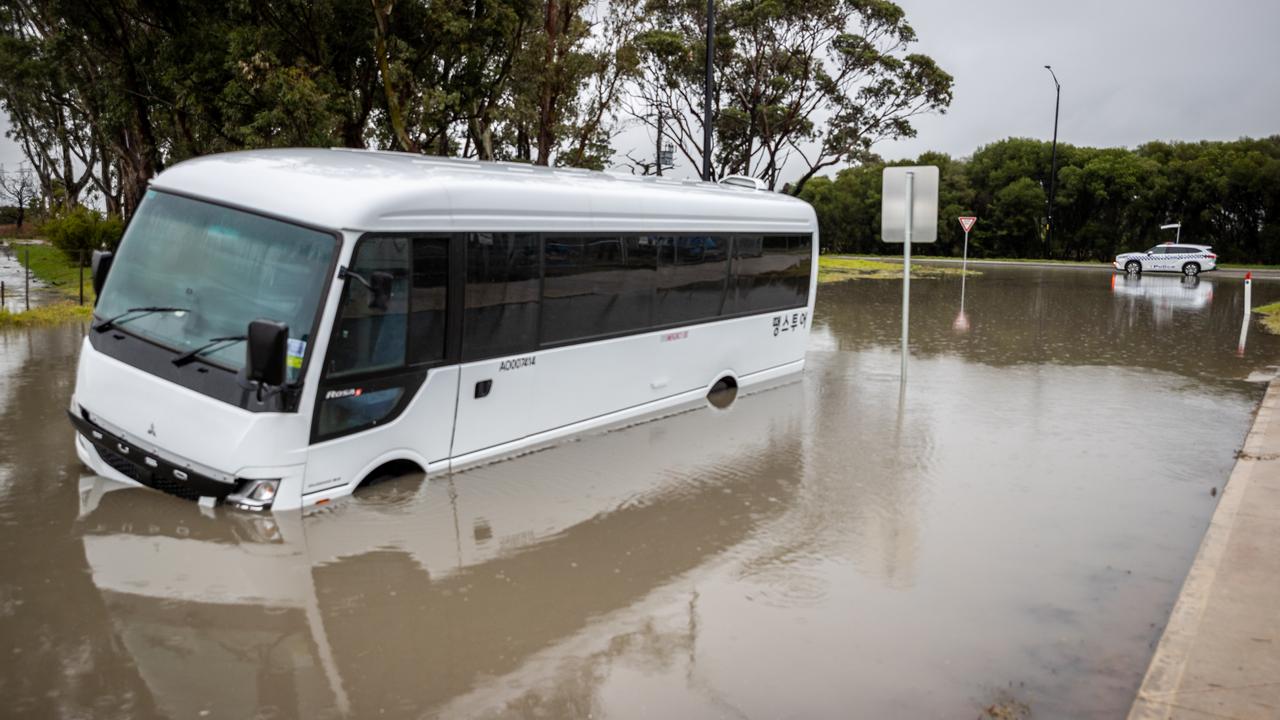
x,y
79,231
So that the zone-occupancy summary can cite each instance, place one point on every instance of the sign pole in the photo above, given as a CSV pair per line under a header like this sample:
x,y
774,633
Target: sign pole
x,y
906,273
908,215
966,224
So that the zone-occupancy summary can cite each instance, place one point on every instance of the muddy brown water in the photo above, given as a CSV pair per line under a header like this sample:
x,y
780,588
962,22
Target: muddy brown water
x,y
1016,530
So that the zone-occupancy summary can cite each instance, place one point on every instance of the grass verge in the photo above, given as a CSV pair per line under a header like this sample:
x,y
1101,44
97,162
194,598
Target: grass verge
x,y
836,269
50,265
1270,317
1087,263
54,314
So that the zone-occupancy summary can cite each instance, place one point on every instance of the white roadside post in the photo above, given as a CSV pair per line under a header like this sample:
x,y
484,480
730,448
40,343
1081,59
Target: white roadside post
x,y
1248,310
908,214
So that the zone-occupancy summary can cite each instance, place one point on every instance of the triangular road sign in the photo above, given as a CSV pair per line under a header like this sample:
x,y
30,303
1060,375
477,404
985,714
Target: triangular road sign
x,y
967,223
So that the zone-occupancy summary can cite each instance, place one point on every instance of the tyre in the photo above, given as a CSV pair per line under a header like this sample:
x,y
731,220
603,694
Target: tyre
x,y
723,393
1133,267
1191,269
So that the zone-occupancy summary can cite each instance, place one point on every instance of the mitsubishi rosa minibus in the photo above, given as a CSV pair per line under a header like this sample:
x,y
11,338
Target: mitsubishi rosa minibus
x,y
280,326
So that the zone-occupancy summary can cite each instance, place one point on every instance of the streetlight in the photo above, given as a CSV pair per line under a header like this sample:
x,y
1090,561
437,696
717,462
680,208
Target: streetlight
x,y
1053,163
1174,226
706,91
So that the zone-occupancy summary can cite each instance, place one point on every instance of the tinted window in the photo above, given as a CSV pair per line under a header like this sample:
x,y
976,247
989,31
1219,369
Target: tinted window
x,y
501,312
354,411
427,301
369,335
1186,250
597,285
692,272
769,272
1156,251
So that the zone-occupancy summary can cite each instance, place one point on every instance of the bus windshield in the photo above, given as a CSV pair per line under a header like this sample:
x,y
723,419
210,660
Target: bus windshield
x,y
215,269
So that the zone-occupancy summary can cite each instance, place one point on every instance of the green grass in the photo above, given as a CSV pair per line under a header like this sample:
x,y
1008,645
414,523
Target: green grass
x,y
1015,260
54,314
1270,317
1094,263
836,269
50,265
1247,266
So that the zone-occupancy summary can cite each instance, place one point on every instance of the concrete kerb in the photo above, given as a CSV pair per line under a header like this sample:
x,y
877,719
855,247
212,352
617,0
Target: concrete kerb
x,y
1157,697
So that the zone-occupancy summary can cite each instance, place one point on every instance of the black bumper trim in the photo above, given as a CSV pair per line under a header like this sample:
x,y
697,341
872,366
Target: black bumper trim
x,y
147,469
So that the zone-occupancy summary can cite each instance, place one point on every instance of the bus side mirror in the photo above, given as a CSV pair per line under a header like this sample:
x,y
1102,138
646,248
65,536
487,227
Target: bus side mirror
x,y
265,347
380,287
100,266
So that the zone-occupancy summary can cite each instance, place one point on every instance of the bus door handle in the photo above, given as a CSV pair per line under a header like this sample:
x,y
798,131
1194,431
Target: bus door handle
x,y
483,387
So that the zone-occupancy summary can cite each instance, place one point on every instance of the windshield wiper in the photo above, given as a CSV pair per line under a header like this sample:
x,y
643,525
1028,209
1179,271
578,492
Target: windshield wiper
x,y
123,317
191,355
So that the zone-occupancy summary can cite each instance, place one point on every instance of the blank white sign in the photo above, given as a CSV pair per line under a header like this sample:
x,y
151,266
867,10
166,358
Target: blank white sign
x,y
924,204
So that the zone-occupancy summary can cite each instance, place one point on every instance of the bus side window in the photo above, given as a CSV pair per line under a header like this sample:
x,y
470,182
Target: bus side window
x,y
427,302
368,338
769,272
597,285
692,270
504,281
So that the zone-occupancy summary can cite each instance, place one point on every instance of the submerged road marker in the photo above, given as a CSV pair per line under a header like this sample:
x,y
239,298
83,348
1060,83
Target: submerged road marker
x,y
1248,310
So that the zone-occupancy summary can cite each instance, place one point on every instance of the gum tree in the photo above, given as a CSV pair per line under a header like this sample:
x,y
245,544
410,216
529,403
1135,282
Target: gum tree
x,y
800,84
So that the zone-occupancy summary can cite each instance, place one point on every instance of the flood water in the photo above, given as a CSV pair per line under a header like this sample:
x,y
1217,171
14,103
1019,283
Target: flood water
x,y
20,293
1014,531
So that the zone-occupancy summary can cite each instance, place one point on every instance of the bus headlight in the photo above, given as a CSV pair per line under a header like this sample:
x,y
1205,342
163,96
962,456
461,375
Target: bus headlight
x,y
254,494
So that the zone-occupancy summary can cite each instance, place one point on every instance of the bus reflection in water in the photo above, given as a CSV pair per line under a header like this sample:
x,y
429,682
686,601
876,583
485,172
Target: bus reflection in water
x,y
420,595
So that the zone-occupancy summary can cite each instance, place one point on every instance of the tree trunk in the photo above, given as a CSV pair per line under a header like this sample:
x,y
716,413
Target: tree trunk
x,y
384,68
546,103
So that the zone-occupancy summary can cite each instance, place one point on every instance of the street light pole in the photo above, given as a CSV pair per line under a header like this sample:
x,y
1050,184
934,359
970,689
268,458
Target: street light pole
x,y
706,91
658,156
1053,163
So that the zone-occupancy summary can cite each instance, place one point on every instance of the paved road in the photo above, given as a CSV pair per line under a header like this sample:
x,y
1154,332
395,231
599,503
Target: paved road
x,y
1095,267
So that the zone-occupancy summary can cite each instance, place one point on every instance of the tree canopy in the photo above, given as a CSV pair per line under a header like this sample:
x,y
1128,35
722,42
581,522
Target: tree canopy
x,y
103,95
1109,200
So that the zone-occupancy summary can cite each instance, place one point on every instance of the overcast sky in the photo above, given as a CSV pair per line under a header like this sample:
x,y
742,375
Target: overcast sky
x,y
1131,71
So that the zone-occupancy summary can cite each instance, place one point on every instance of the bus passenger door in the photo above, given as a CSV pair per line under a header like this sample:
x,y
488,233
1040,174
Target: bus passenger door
x,y
503,375
390,381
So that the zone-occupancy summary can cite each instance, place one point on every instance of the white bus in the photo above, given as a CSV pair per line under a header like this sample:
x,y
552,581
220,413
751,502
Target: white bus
x,y
280,326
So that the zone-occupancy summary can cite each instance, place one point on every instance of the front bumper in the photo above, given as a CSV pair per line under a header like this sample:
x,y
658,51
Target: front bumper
x,y
142,467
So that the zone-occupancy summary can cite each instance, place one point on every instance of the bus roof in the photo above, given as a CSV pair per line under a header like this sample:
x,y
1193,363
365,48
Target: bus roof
x,y
369,190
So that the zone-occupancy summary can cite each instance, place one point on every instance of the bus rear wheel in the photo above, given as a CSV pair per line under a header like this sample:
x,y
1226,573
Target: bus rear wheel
x,y
723,392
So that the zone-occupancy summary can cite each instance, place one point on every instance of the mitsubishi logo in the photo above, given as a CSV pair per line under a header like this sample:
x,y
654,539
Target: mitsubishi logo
x,y
152,430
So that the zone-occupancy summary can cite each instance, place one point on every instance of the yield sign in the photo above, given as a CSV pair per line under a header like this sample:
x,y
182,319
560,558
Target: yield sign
x,y
967,223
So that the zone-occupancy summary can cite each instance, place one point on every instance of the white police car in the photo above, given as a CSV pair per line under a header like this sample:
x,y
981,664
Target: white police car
x,y
1190,260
